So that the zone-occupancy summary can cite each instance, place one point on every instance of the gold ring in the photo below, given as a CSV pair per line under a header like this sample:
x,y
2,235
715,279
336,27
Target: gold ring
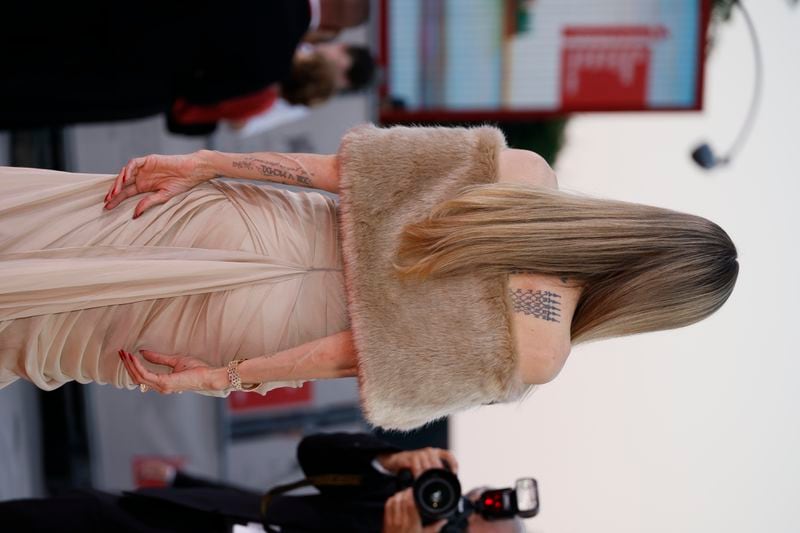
x,y
143,387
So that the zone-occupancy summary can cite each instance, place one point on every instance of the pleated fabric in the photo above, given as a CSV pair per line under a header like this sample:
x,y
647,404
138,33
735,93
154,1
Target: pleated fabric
x,y
227,270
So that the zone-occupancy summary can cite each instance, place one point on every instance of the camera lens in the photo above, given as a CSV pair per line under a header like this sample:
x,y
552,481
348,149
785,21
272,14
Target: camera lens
x,y
437,493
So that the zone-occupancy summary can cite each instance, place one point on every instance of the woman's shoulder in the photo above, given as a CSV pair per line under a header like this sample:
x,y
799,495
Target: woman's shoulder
x,y
542,308
526,167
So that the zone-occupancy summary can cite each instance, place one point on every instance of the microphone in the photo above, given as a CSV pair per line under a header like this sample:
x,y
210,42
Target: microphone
x,y
703,154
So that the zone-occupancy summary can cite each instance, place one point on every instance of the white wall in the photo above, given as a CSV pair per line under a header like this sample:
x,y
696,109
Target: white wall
x,y
694,430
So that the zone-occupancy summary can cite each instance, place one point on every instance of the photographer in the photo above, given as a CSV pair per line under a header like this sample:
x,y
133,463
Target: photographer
x,y
379,501
355,474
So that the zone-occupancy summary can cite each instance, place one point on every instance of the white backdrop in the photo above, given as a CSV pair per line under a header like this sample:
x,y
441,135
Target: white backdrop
x,y
694,430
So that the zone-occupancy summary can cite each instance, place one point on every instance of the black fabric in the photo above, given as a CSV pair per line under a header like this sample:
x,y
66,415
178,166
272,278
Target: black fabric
x,y
238,505
337,508
95,60
194,504
347,453
90,511
295,514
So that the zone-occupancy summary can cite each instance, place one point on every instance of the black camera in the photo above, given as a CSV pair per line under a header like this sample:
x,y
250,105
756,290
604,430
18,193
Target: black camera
x,y
437,494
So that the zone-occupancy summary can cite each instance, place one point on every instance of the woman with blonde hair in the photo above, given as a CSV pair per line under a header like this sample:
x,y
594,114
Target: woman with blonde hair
x,y
453,274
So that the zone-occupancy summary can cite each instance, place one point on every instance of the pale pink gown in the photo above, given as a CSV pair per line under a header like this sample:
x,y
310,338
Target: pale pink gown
x,y
228,269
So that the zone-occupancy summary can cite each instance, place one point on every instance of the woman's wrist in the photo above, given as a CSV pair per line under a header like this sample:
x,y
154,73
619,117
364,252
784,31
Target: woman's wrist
x,y
248,372
206,165
218,379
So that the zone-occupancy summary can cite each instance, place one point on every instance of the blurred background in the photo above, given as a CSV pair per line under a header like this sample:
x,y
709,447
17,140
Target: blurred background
x,y
688,430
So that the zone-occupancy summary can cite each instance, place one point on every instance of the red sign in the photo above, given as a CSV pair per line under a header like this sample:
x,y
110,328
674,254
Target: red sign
x,y
283,397
154,470
606,66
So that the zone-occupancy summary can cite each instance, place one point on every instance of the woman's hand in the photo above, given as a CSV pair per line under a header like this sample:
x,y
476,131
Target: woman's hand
x,y
160,176
188,373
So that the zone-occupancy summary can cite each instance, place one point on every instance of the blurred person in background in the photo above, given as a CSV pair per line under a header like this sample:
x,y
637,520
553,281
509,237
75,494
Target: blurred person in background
x,y
319,72
454,274
95,60
190,504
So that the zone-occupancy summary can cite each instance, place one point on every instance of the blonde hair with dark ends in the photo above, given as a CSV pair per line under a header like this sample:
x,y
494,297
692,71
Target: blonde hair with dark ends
x,y
641,268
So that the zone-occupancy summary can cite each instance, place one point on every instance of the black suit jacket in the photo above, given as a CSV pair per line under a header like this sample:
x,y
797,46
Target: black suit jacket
x,y
95,60
194,505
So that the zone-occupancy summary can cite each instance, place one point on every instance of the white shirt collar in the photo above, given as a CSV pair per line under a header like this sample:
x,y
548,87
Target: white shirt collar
x,y
316,14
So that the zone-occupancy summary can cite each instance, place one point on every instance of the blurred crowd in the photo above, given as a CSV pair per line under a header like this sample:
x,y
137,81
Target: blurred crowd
x,y
197,62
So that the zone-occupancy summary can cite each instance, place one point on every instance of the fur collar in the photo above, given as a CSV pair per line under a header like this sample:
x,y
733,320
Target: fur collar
x,y
429,348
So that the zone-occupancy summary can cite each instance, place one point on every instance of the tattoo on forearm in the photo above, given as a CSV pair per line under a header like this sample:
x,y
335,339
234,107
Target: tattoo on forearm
x,y
275,169
539,304
243,163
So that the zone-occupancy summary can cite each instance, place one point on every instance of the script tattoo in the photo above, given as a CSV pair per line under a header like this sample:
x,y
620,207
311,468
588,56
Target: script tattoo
x,y
539,304
275,169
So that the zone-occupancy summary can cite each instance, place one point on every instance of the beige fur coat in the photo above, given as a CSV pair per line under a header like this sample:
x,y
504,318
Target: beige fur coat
x,y
426,348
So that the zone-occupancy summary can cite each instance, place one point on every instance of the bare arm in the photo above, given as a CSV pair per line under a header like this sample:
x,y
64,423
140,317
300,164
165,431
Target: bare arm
x,y
306,170
157,178
330,357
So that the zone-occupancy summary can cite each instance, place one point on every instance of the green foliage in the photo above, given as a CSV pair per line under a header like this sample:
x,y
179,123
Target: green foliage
x,y
721,9
545,137
720,13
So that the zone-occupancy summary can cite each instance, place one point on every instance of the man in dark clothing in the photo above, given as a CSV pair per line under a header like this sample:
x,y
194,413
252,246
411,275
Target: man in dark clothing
x,y
318,73
194,505
95,60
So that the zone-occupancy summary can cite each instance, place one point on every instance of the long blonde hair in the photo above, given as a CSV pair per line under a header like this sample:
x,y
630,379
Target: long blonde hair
x,y
641,268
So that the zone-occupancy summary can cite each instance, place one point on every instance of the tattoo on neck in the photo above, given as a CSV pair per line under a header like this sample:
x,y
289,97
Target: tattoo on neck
x,y
538,304
275,170
564,279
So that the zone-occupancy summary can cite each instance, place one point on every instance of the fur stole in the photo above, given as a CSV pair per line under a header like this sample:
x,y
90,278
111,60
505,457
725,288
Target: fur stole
x,y
426,348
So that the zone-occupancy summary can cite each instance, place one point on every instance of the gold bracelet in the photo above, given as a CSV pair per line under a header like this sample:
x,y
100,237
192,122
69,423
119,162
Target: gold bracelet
x,y
235,379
